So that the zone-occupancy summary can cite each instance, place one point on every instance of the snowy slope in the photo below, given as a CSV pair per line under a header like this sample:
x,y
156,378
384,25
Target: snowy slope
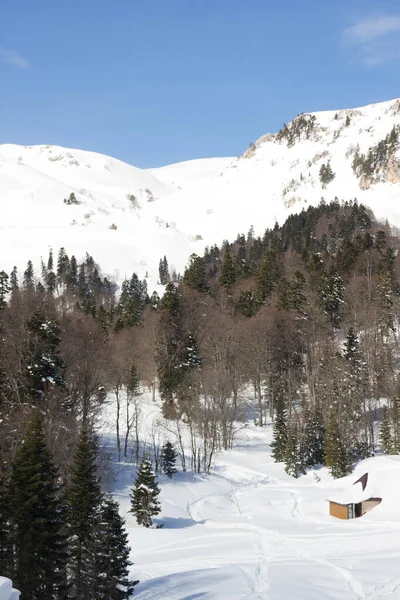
x,y
179,209
250,532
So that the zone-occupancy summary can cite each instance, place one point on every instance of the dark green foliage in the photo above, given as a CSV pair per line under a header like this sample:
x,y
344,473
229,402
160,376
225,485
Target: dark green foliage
x,y
326,175
348,121
168,459
45,366
5,287
14,279
28,281
6,549
113,556
268,275
280,429
302,127
314,439
337,454
331,291
163,271
375,162
132,301
246,303
293,454
195,275
144,497
71,199
84,520
386,437
37,515
228,271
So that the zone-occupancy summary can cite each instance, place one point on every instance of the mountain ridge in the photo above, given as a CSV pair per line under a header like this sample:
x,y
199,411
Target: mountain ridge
x,y
129,217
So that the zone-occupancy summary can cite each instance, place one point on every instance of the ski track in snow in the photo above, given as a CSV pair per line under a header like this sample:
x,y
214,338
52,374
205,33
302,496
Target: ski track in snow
x,y
249,531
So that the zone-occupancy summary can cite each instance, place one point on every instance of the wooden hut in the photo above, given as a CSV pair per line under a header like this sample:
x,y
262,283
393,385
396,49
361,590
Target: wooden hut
x,y
353,502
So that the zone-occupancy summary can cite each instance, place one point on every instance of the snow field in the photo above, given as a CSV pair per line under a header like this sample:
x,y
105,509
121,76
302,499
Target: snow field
x,y
249,531
179,209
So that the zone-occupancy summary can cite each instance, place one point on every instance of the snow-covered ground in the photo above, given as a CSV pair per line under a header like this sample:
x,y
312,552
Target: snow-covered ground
x,y
249,531
179,209
6,590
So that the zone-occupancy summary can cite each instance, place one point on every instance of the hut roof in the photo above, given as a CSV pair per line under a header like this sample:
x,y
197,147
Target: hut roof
x,y
358,492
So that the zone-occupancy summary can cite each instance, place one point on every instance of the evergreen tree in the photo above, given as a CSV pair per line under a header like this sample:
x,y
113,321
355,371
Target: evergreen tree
x,y
386,437
168,459
45,366
280,431
5,287
113,555
37,518
314,439
331,292
28,282
84,521
144,497
163,271
195,275
228,273
268,275
6,551
293,453
14,279
337,455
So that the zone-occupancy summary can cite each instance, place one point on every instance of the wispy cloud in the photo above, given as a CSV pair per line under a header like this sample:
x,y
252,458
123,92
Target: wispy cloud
x,y
376,39
13,59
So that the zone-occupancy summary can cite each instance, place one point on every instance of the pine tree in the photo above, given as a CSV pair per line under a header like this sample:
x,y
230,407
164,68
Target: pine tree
x,y
46,367
337,455
14,279
84,520
195,275
144,497
386,437
314,439
6,553
113,556
168,459
280,431
228,273
28,282
268,275
37,518
5,287
293,454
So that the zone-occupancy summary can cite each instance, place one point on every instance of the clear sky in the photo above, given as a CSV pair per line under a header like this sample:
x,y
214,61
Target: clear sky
x,y
159,81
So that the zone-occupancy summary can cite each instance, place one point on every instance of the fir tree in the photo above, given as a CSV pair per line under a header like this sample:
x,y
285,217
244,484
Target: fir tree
x,y
228,273
37,518
314,439
14,279
293,454
337,455
144,497
113,555
195,275
84,510
280,431
6,552
168,459
5,287
29,281
386,437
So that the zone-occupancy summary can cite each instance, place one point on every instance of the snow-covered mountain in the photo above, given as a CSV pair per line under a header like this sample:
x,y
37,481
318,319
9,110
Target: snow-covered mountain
x,y
127,218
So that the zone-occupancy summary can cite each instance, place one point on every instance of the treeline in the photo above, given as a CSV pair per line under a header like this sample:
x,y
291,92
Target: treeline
x,y
276,312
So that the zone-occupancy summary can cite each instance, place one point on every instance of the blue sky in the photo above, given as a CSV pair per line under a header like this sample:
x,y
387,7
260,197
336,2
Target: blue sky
x,y
159,81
